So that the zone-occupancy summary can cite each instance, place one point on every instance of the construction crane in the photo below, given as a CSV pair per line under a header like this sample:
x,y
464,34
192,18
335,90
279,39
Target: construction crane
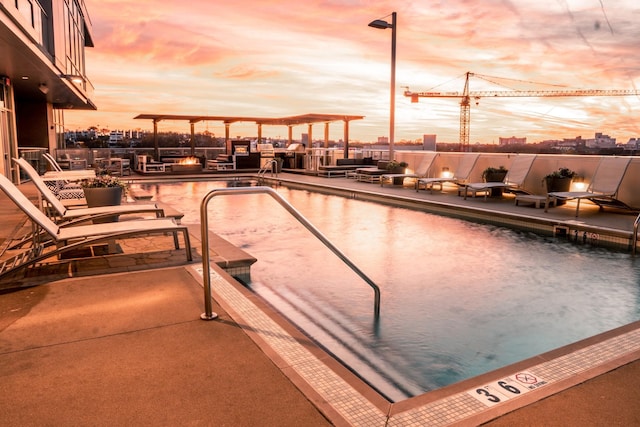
x,y
466,96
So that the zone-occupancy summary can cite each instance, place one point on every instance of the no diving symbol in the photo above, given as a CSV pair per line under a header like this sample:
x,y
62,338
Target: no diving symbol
x,y
526,378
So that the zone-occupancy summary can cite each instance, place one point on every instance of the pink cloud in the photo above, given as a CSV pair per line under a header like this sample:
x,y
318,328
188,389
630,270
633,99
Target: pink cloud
x,y
245,57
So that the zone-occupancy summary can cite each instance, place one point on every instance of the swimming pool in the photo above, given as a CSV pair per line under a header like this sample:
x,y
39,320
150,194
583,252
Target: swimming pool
x,y
458,298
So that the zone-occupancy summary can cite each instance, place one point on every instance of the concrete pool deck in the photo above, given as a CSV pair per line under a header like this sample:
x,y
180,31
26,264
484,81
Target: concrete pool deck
x,y
129,348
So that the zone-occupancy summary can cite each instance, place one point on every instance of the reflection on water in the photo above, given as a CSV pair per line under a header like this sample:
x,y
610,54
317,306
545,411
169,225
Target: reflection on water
x,y
458,298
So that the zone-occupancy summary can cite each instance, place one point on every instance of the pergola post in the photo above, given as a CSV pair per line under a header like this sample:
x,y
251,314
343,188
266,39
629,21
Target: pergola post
x,y
156,151
326,134
227,140
193,139
346,138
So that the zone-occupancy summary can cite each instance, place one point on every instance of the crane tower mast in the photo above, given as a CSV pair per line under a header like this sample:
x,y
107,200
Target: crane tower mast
x,y
466,95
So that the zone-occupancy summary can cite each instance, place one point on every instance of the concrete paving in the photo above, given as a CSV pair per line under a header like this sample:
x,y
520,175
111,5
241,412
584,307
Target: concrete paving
x,y
108,346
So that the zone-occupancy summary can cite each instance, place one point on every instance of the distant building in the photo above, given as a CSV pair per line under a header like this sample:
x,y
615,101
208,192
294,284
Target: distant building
x,y
429,142
632,145
571,144
115,138
383,140
601,141
512,141
42,73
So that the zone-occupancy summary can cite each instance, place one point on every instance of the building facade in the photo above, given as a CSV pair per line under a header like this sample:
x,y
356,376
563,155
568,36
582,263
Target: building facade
x,y
512,141
429,142
42,73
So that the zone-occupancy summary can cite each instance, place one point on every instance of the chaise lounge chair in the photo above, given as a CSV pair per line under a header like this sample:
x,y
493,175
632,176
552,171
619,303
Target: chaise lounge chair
x,y
70,238
56,170
513,181
603,188
421,171
467,162
66,216
64,183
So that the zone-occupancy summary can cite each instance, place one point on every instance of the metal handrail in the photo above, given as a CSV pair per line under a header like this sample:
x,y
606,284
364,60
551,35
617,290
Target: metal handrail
x,y
204,229
634,238
271,165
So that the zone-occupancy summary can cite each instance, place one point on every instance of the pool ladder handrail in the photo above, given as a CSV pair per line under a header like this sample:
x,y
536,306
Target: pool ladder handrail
x,y
269,166
634,238
206,262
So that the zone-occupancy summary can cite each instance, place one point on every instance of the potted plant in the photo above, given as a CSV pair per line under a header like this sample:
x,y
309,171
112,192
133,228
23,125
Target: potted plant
x,y
559,181
492,174
104,190
395,166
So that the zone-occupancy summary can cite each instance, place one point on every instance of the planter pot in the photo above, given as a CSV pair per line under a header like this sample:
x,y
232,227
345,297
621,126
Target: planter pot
x,y
558,185
495,177
398,180
109,196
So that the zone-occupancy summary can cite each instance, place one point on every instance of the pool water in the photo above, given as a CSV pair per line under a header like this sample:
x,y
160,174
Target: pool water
x,y
458,298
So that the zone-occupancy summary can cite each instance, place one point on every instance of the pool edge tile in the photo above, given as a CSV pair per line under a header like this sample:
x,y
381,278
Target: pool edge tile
x,y
345,404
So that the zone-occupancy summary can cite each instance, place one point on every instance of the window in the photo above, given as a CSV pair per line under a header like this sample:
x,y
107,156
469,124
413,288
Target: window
x,y
74,38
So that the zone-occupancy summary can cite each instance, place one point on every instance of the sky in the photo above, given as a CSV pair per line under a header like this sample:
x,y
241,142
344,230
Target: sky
x,y
270,58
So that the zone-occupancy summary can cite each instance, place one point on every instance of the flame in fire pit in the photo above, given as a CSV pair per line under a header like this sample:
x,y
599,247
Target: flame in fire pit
x,y
189,161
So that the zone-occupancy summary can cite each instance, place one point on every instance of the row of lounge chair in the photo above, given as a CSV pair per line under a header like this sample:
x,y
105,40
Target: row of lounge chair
x,y
61,230
602,190
421,171
604,186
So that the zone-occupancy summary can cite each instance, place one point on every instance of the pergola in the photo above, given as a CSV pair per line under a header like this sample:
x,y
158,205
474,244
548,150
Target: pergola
x,y
290,122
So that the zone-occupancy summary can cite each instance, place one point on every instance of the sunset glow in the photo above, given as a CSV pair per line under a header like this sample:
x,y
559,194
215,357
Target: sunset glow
x,y
281,58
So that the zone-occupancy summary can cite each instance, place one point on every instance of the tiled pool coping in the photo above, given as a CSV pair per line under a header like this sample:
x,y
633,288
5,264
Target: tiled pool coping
x,y
579,230
573,228
346,400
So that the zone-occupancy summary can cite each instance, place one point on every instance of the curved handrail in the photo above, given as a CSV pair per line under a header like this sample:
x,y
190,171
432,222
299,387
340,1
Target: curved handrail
x,y
204,229
269,166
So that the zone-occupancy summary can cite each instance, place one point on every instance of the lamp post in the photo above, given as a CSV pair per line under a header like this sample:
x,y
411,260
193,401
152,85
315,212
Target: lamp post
x,y
383,25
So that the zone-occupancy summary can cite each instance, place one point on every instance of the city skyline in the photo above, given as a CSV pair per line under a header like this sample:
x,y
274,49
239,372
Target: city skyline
x,y
281,58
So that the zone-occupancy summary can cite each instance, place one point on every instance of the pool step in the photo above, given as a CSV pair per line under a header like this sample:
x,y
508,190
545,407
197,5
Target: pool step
x,y
337,334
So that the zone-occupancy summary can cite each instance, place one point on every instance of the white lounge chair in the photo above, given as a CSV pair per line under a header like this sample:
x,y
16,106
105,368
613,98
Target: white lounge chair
x,y
421,171
72,164
513,181
460,177
70,238
55,166
64,183
64,215
603,188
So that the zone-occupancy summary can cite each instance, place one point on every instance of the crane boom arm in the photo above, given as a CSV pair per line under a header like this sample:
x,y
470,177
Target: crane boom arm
x,y
517,93
466,96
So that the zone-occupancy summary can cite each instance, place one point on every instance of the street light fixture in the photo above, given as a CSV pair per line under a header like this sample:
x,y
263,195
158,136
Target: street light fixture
x,y
383,25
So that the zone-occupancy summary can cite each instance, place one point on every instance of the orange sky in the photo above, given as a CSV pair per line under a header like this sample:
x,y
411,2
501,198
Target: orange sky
x,y
271,58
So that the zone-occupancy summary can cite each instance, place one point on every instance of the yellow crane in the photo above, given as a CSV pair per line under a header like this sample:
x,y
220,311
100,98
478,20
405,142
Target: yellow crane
x,y
466,95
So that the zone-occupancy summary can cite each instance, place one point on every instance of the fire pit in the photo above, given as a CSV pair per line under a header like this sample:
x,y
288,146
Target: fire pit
x,y
187,165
